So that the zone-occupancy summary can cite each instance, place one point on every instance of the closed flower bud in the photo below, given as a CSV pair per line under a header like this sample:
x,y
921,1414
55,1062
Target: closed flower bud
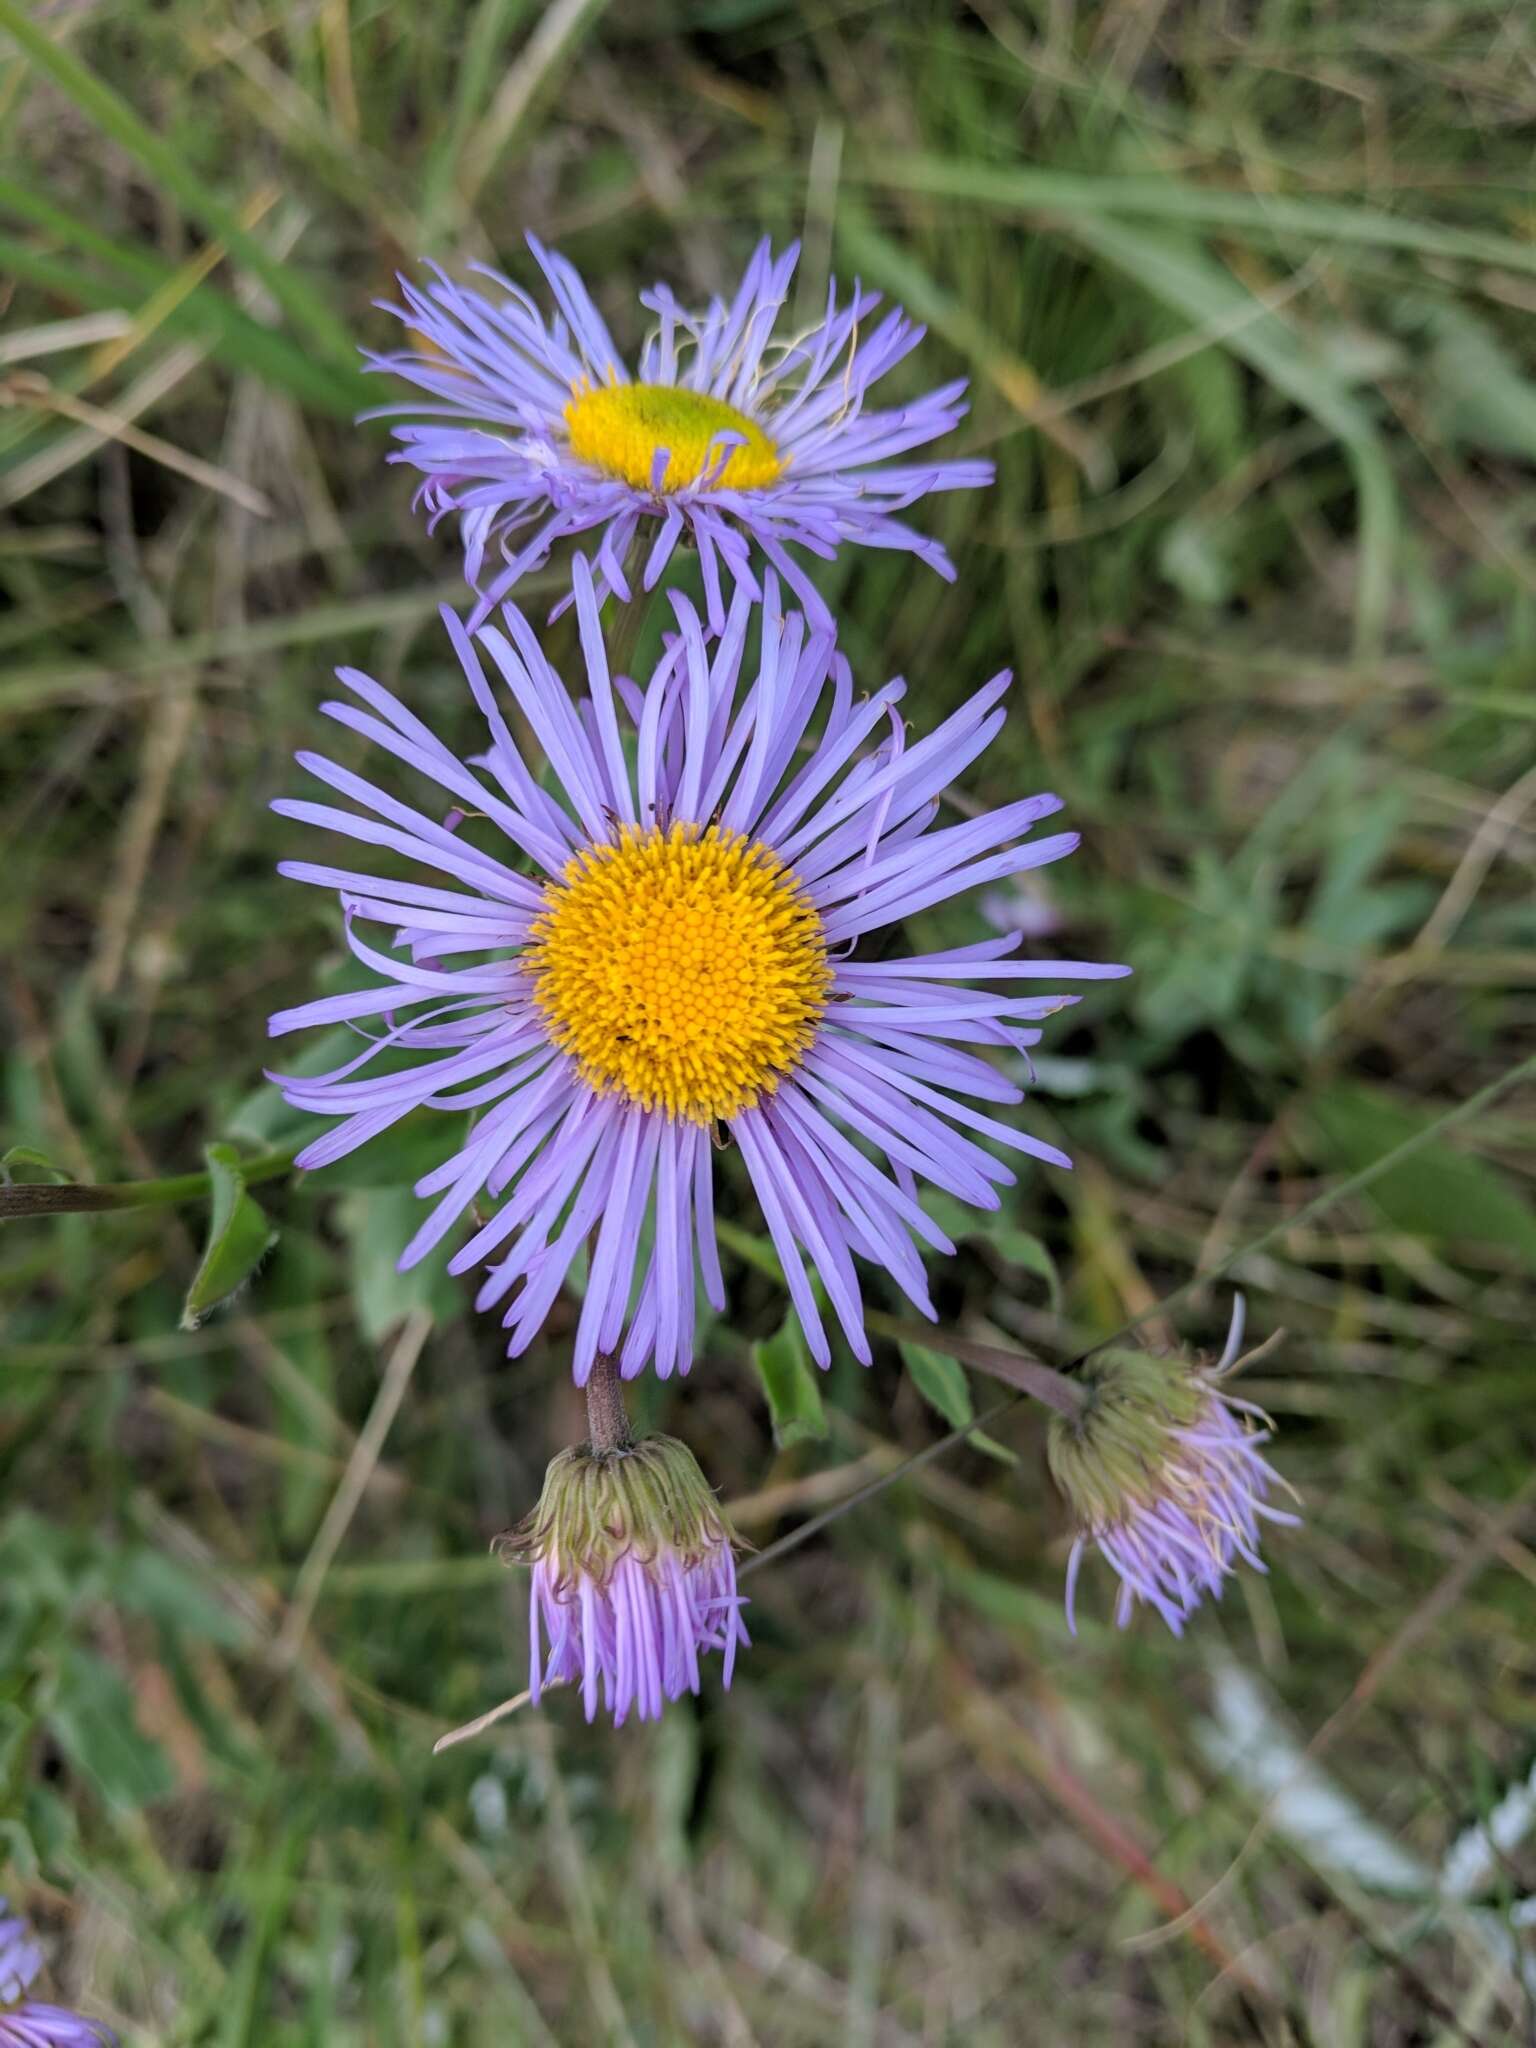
x,y
1163,1473
634,1577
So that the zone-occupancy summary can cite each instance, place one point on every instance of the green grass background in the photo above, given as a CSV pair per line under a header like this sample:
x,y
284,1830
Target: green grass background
x,y
1245,293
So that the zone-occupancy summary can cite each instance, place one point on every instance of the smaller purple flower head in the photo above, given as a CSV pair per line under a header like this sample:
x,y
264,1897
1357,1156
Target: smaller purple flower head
x,y
728,436
26,2022
1162,1472
634,1577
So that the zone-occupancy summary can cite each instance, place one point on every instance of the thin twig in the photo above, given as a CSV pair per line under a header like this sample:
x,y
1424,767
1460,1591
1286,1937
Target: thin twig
x,y
481,1722
29,388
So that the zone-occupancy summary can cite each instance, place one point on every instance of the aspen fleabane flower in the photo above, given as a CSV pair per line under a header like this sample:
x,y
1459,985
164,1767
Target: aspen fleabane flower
x,y
660,957
1162,1471
728,434
634,1578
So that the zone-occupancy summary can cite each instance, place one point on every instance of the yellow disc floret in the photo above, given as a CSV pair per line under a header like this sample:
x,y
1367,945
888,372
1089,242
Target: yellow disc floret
x,y
684,969
621,428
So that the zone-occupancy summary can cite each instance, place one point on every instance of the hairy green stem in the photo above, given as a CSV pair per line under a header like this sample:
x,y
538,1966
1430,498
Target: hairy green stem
x,y
38,1198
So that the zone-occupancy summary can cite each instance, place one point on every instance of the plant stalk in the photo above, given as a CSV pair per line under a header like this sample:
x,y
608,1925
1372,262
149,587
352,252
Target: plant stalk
x,y
48,1198
607,1419
1014,1368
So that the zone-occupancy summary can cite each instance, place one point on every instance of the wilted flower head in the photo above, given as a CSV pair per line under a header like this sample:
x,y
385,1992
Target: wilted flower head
x,y
727,435
1162,1471
634,1577
656,949
26,2022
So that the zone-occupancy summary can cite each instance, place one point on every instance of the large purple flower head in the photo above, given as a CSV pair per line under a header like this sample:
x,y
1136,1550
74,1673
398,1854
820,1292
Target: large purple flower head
x,y
660,955
26,2022
634,1577
1163,1472
727,433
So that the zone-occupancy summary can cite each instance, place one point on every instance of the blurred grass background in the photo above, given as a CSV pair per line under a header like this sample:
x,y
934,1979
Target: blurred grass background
x,y
1245,294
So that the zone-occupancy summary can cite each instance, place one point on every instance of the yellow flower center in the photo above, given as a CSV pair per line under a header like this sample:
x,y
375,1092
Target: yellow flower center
x,y
620,428
683,969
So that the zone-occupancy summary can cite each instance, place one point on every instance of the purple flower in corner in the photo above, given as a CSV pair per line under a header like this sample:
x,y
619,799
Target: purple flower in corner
x,y
727,435
27,2022
1164,1474
634,1578
655,951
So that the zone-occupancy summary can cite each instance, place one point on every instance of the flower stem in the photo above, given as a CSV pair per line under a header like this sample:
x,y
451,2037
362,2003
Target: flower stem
x,y
607,1422
1014,1368
48,1198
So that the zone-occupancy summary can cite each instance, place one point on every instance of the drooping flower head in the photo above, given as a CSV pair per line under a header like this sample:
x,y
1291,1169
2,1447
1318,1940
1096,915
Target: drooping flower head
x,y
1163,1473
27,2022
634,1578
662,956
728,433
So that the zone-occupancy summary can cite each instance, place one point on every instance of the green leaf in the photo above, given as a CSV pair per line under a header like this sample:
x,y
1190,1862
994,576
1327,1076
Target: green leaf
x,y
19,1850
264,1118
25,1163
941,1382
40,1566
49,1826
1023,1248
399,1157
945,1386
302,1379
1476,392
91,1717
1439,1192
150,1582
751,1247
15,1727
1036,189
239,1237
789,1381
1008,1241
378,1223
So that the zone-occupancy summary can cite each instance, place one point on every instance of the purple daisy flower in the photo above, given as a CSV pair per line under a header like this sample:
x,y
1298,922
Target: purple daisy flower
x,y
26,2022
634,1578
674,953
1164,1474
724,435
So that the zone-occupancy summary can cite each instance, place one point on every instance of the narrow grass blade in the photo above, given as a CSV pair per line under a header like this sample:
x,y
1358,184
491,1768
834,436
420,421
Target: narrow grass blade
x,y
1196,286
1169,200
112,114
